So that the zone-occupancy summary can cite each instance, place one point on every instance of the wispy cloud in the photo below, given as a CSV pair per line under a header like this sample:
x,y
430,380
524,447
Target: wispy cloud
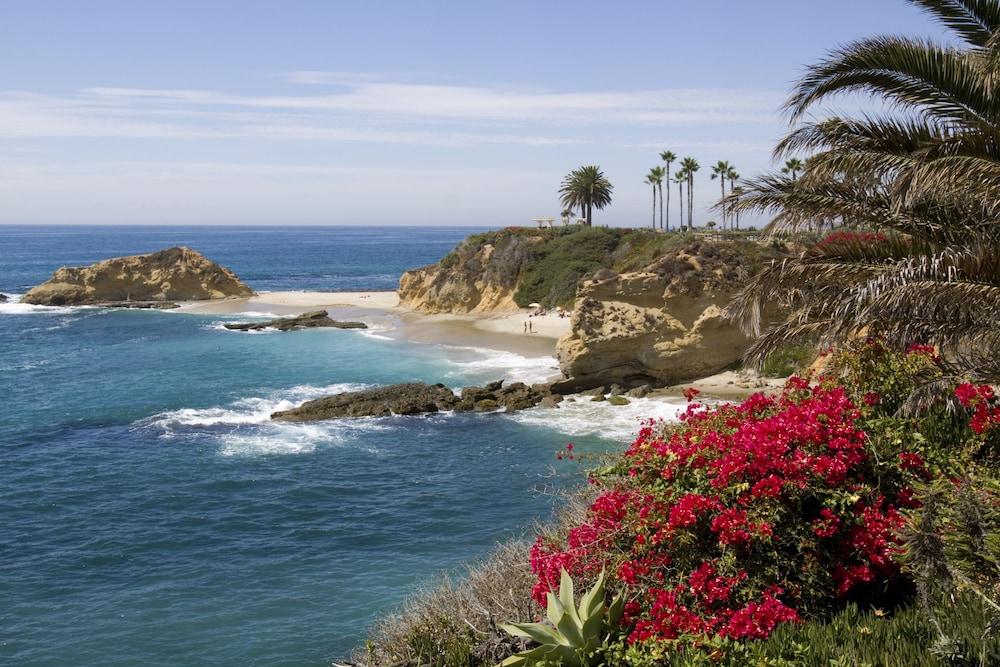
x,y
481,103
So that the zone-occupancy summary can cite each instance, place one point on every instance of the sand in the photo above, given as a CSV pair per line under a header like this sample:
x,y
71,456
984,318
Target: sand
x,y
293,303
381,310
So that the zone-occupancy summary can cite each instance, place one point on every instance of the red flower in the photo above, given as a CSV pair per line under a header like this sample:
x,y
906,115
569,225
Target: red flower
x,y
691,393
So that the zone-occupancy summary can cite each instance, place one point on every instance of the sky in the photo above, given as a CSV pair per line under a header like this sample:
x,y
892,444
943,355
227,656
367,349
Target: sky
x,y
381,113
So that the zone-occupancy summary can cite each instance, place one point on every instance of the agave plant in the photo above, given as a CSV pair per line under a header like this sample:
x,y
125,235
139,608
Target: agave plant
x,y
576,633
920,178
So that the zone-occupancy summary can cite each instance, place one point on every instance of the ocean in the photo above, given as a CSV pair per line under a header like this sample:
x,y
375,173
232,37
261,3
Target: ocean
x,y
151,514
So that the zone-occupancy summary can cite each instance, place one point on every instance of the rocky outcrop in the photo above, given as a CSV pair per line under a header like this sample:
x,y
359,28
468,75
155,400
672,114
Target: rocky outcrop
x,y
3,298
663,325
416,398
480,275
399,399
310,320
174,274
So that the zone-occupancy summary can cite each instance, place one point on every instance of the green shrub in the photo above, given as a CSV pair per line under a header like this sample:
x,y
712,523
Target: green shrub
x,y
851,638
788,359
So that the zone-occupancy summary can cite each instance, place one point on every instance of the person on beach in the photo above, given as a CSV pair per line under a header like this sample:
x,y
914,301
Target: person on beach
x,y
525,327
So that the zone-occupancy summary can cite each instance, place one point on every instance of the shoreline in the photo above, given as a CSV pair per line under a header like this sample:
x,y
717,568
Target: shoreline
x,y
382,311
502,331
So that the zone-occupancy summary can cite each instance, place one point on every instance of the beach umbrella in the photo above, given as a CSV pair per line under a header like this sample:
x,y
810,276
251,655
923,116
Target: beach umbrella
x,y
534,305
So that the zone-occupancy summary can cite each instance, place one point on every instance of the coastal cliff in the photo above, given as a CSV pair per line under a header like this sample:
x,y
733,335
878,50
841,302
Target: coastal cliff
x,y
647,307
180,274
661,325
512,268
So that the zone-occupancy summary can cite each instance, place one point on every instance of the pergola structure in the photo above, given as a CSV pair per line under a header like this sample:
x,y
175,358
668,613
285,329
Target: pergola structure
x,y
543,222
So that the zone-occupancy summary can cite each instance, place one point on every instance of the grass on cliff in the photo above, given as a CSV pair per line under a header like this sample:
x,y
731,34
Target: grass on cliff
x,y
546,265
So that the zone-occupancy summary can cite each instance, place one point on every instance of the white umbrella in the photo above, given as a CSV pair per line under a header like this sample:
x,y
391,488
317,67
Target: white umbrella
x,y
534,305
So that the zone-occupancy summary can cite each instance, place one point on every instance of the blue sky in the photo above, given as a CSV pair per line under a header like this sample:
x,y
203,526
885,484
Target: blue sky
x,y
329,112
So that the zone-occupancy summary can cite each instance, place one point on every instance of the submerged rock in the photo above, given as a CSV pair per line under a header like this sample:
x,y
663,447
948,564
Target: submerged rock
x,y
313,319
411,398
174,274
155,305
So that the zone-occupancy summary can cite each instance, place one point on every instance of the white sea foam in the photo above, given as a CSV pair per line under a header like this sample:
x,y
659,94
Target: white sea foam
x,y
244,427
373,334
583,417
252,410
508,365
13,306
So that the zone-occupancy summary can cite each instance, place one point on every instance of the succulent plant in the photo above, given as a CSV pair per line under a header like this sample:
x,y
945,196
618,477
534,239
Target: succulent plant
x,y
574,634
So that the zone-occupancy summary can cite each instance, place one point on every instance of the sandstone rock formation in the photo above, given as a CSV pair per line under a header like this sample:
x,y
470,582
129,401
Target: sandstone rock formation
x,y
310,320
174,274
476,277
415,398
660,326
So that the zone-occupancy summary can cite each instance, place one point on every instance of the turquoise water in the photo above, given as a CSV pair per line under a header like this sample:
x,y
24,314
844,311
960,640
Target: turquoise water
x,y
151,514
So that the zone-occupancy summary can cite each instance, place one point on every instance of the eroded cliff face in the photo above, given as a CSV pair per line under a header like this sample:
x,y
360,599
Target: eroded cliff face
x,y
174,274
663,325
476,277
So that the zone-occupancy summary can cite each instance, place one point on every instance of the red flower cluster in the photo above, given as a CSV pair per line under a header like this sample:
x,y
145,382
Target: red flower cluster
x,y
980,399
845,238
742,517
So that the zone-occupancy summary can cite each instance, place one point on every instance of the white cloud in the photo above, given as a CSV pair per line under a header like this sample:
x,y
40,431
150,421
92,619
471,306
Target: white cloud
x,y
479,103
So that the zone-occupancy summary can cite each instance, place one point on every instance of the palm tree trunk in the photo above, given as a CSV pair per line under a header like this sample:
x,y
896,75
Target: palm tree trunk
x,y
691,201
667,228
680,199
722,184
660,186
590,211
654,205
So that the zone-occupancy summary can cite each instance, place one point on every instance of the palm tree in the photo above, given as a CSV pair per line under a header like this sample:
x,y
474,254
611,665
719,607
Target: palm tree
x,y
721,171
668,158
661,174
653,180
586,188
690,166
680,178
920,179
792,167
567,215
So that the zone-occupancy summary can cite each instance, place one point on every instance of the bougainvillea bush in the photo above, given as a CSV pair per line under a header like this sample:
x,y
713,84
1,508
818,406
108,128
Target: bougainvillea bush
x,y
745,518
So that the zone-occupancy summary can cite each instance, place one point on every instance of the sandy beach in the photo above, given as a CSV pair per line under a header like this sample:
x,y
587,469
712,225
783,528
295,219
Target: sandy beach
x,y
382,311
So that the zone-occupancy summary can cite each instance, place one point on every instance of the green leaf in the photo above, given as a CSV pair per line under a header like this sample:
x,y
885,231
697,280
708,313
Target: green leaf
x,y
592,602
537,632
616,610
566,590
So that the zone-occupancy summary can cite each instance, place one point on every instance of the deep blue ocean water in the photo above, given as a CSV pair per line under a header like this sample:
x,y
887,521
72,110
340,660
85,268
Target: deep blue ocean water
x,y
151,514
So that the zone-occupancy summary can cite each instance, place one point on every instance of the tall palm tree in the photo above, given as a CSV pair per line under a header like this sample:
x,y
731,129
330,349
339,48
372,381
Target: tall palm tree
x,y
652,179
661,175
668,158
922,176
792,167
680,178
586,188
721,171
690,166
